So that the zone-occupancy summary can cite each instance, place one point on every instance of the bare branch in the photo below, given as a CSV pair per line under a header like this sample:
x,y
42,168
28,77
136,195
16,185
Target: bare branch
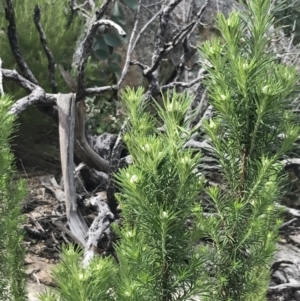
x,y
141,65
161,35
51,62
22,104
13,75
68,79
130,45
144,28
185,33
182,84
291,161
14,43
113,167
86,51
98,162
86,45
283,287
1,81
100,90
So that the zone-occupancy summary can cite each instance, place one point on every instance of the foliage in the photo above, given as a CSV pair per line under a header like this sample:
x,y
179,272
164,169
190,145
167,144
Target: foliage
x,y
60,37
155,250
252,129
157,196
78,284
12,276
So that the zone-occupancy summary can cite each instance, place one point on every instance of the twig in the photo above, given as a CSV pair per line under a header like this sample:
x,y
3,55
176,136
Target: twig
x,y
100,90
113,167
36,278
144,28
51,62
182,84
276,265
291,211
1,79
287,223
291,161
86,45
14,43
37,224
283,287
161,35
130,45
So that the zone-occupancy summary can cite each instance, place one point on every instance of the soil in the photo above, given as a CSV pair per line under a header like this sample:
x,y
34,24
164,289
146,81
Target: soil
x,y
36,150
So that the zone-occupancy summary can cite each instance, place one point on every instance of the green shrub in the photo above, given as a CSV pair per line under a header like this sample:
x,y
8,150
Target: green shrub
x,y
12,277
252,130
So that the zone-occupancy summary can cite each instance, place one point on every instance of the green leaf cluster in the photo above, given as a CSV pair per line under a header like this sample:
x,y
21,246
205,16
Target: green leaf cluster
x,y
252,129
12,276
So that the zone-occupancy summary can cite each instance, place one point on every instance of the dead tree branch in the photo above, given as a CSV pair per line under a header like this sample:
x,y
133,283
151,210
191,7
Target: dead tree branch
x,y
130,45
283,287
66,109
13,75
1,79
43,39
97,161
14,43
113,168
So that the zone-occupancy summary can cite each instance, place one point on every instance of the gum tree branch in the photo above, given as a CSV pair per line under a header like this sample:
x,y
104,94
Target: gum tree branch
x,y
86,51
86,45
14,43
43,39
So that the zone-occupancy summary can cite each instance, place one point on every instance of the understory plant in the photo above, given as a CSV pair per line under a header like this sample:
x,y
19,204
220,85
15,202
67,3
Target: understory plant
x,y
12,276
252,129
155,247
61,39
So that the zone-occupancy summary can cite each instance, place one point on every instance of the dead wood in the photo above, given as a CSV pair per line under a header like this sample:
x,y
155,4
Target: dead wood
x,y
66,109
